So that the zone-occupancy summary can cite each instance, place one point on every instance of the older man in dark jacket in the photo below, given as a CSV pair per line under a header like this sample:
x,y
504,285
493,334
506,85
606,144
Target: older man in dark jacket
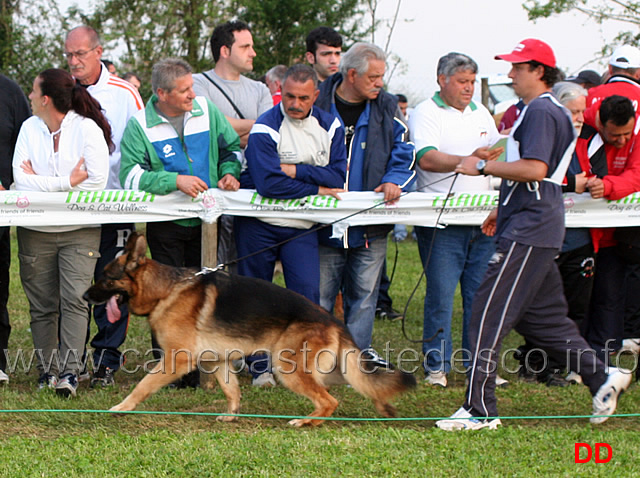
x,y
379,160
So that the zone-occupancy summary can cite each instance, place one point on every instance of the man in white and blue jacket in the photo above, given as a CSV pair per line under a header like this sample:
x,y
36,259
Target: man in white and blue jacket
x,y
379,160
294,150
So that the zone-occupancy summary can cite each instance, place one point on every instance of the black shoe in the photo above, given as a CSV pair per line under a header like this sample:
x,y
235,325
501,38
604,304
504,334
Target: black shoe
x,y
103,377
527,376
555,380
387,312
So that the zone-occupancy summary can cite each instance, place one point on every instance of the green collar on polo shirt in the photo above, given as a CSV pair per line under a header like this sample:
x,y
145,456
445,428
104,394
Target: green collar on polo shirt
x,y
437,99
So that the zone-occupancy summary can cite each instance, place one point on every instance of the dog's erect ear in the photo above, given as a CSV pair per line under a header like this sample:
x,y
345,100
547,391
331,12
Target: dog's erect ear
x,y
137,246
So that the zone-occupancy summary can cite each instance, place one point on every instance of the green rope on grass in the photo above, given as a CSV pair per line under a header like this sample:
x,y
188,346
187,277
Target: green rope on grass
x,y
291,417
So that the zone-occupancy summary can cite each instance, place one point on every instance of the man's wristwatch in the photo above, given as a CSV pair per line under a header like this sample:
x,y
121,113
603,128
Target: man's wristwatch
x,y
480,165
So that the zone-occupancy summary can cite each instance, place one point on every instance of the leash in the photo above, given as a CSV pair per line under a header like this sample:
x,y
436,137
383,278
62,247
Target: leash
x,y
424,268
322,226
208,270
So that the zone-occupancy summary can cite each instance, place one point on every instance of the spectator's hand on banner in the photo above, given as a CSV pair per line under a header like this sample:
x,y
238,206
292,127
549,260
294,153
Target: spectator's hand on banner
x,y
190,185
391,192
229,183
324,191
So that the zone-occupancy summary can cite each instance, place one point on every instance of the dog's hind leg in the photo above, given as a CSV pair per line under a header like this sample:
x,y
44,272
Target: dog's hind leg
x,y
305,384
154,381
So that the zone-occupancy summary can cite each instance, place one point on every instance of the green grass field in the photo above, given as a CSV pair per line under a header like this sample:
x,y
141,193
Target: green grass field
x,y
43,439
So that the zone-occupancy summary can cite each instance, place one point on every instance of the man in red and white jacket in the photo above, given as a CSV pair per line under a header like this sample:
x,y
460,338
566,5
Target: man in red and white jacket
x,y
609,152
119,101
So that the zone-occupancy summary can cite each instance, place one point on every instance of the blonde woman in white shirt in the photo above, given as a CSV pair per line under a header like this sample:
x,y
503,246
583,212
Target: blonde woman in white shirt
x,y
64,146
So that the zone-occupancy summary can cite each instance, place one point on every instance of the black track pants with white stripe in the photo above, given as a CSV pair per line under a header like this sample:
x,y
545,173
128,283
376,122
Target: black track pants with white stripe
x,y
522,290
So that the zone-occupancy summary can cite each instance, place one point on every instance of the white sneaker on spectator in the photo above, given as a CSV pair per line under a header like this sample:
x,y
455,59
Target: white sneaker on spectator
x,y
436,378
463,420
631,345
4,378
605,400
573,378
264,380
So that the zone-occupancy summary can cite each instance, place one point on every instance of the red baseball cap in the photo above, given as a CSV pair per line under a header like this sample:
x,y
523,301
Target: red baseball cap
x,y
530,50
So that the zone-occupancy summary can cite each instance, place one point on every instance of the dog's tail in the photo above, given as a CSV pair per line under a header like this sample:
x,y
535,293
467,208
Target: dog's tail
x,y
378,383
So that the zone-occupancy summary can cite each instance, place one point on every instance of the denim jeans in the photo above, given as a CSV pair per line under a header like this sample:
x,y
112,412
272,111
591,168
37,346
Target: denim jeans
x,y
355,271
460,254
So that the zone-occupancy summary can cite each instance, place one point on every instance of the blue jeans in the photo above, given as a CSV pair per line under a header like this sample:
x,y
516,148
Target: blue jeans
x,y
460,254
355,271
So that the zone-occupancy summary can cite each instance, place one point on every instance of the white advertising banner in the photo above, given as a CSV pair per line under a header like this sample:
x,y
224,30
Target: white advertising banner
x,y
357,208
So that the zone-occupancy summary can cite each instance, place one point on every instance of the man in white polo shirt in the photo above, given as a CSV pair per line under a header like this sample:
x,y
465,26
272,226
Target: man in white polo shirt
x,y
446,128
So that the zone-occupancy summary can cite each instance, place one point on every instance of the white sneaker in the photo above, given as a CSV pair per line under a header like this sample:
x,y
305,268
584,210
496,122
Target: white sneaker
x,y
436,378
264,380
463,420
631,345
573,378
501,382
606,399
4,378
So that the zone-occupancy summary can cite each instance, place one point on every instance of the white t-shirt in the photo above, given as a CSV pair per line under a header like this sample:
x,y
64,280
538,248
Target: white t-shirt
x,y
435,125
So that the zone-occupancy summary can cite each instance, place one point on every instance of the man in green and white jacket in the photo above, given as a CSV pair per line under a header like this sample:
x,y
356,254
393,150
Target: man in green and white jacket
x,y
178,142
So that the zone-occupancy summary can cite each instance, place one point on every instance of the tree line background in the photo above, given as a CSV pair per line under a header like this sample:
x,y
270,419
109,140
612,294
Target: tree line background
x,y
138,33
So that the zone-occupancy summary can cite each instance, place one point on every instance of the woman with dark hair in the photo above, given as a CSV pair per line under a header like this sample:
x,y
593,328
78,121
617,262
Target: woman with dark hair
x,y
64,146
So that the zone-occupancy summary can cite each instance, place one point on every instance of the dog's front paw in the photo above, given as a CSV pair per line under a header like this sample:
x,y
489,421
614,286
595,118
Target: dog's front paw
x,y
227,418
302,422
121,407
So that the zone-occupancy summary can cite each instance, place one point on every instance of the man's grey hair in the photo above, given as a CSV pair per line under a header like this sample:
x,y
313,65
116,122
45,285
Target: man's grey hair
x,y
166,72
301,73
565,91
94,37
453,62
358,57
276,73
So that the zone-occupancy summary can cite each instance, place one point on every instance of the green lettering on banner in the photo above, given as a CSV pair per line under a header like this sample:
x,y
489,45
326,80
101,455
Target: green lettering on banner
x,y
109,196
632,199
134,196
99,196
83,196
437,199
463,199
333,201
482,200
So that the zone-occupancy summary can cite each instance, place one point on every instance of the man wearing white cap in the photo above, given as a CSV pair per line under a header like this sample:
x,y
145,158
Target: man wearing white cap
x,y
522,288
624,77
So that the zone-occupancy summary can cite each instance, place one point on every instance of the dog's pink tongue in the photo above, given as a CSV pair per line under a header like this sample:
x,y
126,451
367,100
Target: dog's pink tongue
x,y
113,311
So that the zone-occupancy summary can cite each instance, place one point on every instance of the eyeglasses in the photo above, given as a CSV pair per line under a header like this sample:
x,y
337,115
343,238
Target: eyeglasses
x,y
78,54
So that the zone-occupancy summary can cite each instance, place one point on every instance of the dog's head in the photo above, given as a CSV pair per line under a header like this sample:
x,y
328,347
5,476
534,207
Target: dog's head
x,y
118,283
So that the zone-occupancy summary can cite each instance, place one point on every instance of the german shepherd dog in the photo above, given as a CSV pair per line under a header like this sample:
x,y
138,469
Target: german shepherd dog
x,y
211,314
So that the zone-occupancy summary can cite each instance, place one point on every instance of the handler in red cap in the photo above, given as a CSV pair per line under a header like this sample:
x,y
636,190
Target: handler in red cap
x,y
522,288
